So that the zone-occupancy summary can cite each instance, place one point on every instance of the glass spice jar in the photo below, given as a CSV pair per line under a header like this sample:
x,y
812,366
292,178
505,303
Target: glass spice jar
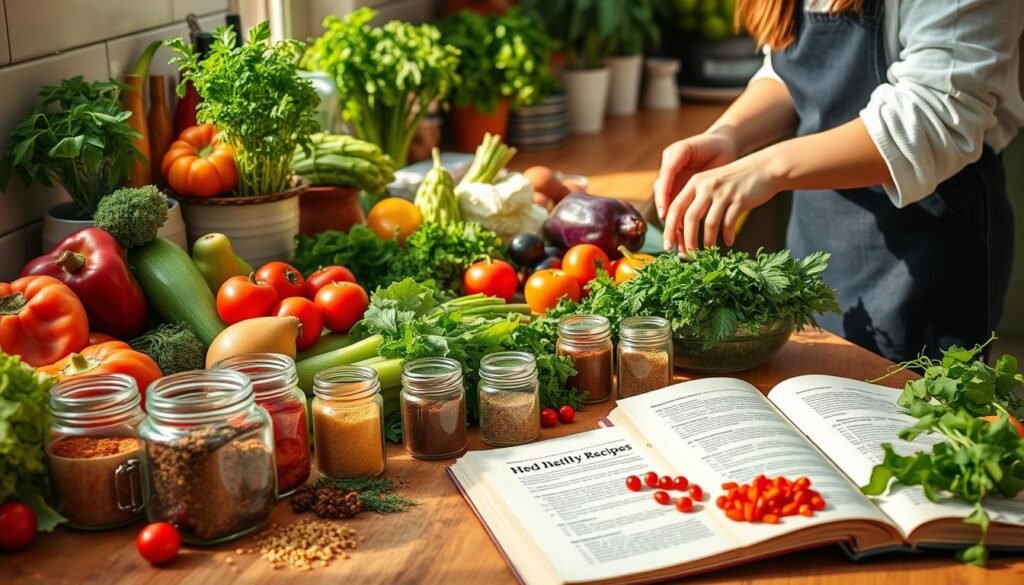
x,y
94,450
348,422
276,386
587,339
208,464
645,355
509,399
433,408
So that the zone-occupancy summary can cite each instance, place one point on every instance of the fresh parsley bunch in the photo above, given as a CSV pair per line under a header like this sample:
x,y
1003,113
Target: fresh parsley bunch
x,y
978,457
252,93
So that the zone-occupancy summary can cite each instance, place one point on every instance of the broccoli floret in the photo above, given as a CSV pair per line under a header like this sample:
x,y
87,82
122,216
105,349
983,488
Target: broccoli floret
x,y
175,348
132,215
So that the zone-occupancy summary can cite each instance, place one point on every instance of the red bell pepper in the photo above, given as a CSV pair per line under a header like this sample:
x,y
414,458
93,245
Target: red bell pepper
x,y
93,265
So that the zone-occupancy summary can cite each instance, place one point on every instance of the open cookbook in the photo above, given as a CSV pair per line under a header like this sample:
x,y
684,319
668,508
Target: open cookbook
x,y
560,513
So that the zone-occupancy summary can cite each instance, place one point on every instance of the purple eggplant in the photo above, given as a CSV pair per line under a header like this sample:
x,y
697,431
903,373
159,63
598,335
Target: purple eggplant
x,y
607,223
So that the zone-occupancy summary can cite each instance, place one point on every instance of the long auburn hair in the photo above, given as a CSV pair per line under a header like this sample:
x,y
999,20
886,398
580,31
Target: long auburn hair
x,y
770,22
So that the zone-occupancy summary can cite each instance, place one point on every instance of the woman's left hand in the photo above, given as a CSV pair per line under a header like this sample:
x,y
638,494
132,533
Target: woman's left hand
x,y
718,196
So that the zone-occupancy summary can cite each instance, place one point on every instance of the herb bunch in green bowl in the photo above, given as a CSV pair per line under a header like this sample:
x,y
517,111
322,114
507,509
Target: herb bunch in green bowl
x,y
253,94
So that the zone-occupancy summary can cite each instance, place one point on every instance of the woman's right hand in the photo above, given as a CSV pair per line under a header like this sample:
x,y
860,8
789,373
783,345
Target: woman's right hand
x,y
685,158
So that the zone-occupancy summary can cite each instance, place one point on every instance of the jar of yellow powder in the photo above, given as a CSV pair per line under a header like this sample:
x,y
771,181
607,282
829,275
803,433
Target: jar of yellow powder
x,y
348,422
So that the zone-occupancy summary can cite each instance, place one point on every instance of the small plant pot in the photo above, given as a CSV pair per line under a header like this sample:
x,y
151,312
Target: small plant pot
x,y
470,125
745,350
588,98
662,91
329,208
64,219
261,229
624,87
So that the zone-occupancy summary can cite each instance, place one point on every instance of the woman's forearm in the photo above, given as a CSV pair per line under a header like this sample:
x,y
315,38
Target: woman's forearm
x,y
763,113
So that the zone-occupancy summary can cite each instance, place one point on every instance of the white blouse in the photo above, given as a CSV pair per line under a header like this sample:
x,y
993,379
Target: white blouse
x,y
953,86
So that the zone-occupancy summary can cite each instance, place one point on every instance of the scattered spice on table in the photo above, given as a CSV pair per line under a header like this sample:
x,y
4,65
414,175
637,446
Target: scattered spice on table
x,y
338,498
641,371
305,544
509,418
83,471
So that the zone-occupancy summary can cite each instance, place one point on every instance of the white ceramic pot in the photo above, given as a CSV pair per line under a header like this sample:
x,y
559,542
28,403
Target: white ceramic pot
x,y
59,223
588,98
260,231
624,86
662,91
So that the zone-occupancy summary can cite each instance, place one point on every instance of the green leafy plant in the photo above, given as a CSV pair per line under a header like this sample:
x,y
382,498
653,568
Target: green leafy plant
x,y
387,76
78,137
635,27
978,457
502,56
582,28
252,93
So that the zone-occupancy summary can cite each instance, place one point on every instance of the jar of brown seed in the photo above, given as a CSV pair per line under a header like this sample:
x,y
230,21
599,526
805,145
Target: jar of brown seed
x,y
509,399
433,408
645,355
587,339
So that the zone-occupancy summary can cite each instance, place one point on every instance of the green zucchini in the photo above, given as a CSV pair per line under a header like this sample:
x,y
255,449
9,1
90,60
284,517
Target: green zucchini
x,y
175,288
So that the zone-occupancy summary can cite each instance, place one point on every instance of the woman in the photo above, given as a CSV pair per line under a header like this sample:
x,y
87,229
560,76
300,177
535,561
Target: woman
x,y
900,108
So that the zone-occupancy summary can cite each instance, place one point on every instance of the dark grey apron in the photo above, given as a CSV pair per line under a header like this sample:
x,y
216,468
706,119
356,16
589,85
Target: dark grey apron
x,y
927,276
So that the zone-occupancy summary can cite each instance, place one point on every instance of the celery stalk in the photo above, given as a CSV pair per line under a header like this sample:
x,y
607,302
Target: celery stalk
x,y
356,352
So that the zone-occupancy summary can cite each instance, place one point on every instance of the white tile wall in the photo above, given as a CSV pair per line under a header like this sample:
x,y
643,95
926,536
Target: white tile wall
x,y
5,49
42,27
182,8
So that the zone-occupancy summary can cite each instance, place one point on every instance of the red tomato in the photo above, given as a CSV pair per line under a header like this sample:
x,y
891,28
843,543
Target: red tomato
x,y
684,504
548,418
544,288
17,526
342,304
582,261
566,414
285,279
310,319
326,275
493,278
241,298
158,543
633,483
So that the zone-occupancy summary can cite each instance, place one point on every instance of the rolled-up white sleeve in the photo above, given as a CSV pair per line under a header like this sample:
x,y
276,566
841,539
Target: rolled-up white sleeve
x,y
766,71
929,121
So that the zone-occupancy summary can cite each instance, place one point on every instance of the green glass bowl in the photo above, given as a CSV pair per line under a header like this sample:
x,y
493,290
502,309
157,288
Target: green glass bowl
x,y
745,350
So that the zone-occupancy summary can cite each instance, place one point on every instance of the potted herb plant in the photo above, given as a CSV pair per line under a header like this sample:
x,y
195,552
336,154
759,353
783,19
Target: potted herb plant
x,y
78,137
583,28
503,61
253,94
635,26
387,76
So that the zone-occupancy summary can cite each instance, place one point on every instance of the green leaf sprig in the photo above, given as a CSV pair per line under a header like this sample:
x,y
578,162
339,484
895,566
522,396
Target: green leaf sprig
x,y
253,94
377,493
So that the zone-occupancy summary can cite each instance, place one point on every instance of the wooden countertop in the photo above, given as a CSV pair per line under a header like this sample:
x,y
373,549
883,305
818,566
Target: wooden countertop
x,y
441,541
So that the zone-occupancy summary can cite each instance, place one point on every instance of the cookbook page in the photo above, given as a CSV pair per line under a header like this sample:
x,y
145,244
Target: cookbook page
x,y
849,420
722,429
569,495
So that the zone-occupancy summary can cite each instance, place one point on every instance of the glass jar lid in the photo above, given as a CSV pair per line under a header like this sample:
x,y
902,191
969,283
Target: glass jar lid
x,y
272,374
646,330
94,399
508,369
199,396
584,328
351,383
432,376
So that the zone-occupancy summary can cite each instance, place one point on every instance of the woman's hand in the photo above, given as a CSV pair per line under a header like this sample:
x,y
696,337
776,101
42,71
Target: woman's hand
x,y
685,158
718,196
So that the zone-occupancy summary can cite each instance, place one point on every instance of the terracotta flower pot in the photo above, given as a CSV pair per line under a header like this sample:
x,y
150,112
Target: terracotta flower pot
x,y
471,125
329,208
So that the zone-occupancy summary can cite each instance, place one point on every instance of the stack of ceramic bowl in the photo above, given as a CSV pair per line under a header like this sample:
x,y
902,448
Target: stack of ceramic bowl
x,y
545,125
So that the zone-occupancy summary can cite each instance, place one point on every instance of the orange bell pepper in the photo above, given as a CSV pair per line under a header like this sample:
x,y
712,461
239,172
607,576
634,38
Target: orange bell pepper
x,y
41,320
110,357
630,264
198,165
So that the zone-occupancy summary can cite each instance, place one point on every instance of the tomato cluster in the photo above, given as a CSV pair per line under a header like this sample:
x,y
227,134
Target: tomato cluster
x,y
664,484
578,267
769,499
549,417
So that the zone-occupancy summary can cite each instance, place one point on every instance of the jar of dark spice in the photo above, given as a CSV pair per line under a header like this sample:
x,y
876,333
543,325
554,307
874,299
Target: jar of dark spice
x,y
208,463
94,450
587,339
509,399
433,408
276,387
348,422
645,355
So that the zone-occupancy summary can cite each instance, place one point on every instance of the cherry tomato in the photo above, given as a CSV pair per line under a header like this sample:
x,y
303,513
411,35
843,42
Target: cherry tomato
x,y
662,497
241,298
633,483
548,418
494,278
158,543
680,483
17,526
582,261
1014,424
342,304
651,479
285,279
310,319
630,264
721,502
566,414
665,482
696,492
684,504
545,288
326,275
